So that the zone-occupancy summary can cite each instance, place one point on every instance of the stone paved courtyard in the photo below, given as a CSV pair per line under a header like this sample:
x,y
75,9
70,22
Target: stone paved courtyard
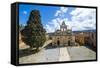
x,y
81,53
45,55
60,54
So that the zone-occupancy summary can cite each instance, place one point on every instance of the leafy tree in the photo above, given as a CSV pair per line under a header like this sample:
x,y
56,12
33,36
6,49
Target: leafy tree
x,y
33,32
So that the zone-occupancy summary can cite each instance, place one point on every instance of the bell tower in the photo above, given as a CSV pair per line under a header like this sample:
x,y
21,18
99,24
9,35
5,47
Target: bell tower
x,y
63,27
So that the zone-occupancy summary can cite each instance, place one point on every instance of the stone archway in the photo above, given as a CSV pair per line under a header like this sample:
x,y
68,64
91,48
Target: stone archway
x,y
69,43
58,43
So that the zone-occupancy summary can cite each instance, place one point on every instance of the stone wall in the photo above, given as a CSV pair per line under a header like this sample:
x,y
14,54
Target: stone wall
x,y
63,40
90,39
79,38
86,38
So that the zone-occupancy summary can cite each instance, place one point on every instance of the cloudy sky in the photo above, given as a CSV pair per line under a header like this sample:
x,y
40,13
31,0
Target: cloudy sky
x,y
75,18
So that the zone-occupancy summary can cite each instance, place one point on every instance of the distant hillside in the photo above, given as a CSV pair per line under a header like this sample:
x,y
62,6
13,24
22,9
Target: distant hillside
x,y
50,34
84,31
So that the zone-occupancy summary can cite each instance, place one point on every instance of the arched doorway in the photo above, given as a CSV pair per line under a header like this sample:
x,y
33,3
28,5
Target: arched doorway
x,y
69,42
58,43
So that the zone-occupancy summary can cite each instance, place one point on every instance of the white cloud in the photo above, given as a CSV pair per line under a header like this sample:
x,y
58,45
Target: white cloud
x,y
64,9
54,24
48,28
61,11
57,13
81,19
25,12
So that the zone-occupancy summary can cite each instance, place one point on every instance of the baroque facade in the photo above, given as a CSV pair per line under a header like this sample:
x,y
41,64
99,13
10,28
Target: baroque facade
x,y
63,37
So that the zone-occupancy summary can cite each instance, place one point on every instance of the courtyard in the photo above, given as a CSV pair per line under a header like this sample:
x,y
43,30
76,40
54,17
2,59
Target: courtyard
x,y
59,54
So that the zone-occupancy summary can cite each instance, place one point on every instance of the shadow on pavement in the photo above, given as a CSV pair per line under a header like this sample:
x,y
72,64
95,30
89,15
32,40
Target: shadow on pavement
x,y
90,47
50,46
27,52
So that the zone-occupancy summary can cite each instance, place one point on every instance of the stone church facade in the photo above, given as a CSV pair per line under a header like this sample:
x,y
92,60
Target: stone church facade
x,y
63,37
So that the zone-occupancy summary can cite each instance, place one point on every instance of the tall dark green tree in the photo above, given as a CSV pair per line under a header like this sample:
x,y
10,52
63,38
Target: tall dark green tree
x,y
34,33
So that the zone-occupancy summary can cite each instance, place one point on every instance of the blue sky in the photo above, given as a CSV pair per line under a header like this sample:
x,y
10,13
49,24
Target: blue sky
x,y
51,17
46,12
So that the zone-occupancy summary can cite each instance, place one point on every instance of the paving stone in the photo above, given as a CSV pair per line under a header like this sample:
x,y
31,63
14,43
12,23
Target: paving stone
x,y
60,54
81,53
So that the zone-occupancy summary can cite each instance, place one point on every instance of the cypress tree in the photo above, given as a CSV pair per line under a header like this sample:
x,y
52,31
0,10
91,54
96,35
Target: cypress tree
x,y
34,33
